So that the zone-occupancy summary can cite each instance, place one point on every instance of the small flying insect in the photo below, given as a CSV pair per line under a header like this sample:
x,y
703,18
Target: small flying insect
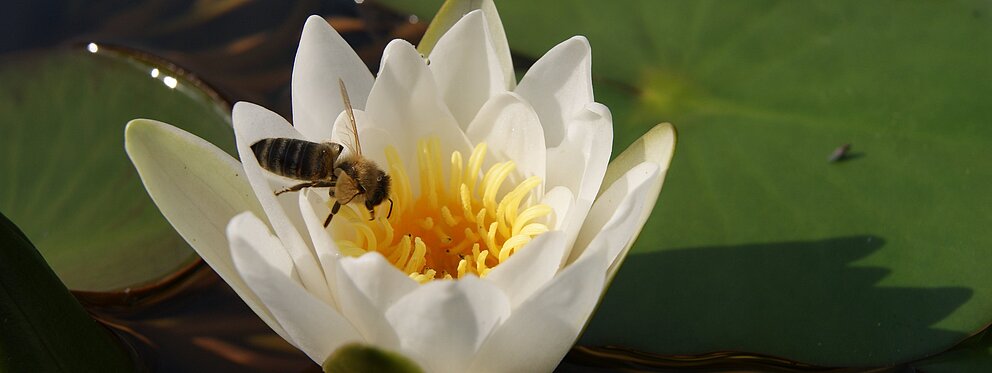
x,y
840,153
351,178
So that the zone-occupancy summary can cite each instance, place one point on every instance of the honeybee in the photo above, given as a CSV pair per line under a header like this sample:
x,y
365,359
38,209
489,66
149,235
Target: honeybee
x,y
351,178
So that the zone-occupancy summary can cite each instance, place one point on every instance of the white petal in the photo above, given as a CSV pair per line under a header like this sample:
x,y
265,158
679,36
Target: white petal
x,y
198,188
444,322
530,267
368,286
466,67
453,11
312,325
251,124
580,162
325,248
404,103
658,146
323,58
560,199
559,85
311,202
569,214
544,327
619,213
512,130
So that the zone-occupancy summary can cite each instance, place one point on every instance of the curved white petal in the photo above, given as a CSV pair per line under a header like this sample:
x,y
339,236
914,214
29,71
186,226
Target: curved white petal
x,y
323,58
453,11
512,131
251,124
559,85
657,146
530,267
560,199
580,162
443,322
466,67
619,212
325,248
310,324
404,103
198,188
368,286
544,327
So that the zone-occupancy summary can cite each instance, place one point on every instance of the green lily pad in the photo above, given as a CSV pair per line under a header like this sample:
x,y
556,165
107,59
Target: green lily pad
x,y
66,179
972,355
758,243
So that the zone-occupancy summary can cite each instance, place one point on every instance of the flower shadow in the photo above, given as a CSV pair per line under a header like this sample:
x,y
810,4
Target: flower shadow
x,y
803,300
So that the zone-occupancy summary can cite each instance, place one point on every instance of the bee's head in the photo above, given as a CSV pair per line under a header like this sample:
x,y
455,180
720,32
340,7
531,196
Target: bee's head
x,y
376,189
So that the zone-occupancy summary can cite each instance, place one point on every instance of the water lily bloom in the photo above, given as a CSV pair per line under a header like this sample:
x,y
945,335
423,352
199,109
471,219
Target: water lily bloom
x,y
508,219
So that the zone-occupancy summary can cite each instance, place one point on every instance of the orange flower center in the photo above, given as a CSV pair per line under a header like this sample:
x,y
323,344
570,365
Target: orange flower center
x,y
456,226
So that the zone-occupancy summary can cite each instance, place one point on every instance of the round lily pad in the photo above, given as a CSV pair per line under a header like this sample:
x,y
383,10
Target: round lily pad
x,y
66,180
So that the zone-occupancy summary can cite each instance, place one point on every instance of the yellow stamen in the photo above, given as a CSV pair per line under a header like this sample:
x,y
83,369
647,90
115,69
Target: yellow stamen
x,y
457,226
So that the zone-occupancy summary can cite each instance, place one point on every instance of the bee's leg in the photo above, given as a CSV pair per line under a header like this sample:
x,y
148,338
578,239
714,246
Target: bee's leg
x,y
296,187
311,184
334,210
372,214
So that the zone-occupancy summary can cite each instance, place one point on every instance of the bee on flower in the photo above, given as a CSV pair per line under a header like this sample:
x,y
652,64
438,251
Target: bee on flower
x,y
507,218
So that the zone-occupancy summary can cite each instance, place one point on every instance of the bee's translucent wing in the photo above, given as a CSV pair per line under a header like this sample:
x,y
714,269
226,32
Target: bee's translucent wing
x,y
351,140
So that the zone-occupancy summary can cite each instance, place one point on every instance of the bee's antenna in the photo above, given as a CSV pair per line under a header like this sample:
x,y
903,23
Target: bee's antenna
x,y
390,213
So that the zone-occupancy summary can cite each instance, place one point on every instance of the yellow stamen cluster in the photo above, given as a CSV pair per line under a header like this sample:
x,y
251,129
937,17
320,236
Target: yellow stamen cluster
x,y
455,227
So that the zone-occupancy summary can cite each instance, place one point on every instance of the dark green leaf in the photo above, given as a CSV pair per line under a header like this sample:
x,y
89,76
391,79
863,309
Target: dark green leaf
x,y
42,327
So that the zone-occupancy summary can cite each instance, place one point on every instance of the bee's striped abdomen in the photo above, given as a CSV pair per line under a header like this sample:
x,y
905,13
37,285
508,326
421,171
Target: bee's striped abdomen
x,y
297,159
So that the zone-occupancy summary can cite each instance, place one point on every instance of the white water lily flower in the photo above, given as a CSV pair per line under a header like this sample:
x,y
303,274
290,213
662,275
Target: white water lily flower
x,y
507,223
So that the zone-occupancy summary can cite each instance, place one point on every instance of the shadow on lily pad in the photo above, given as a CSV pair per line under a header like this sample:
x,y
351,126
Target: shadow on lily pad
x,y
759,297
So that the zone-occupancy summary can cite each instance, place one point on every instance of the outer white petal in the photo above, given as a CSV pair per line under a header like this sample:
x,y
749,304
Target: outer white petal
x,y
404,103
198,188
543,328
368,286
323,58
311,325
616,216
658,146
451,12
512,130
559,85
530,267
251,124
443,323
466,67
